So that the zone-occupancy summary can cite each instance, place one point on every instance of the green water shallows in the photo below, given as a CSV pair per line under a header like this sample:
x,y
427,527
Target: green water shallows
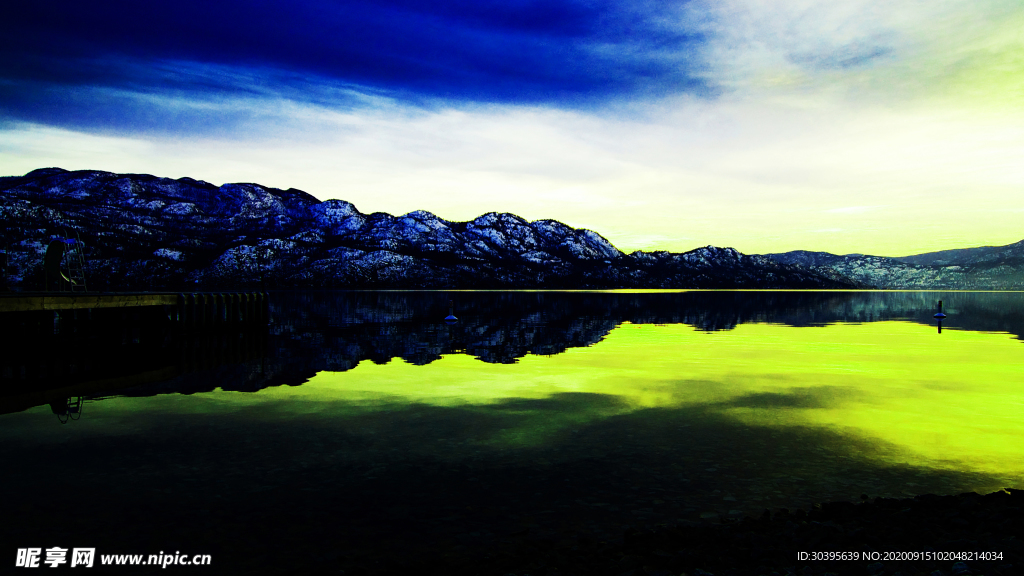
x,y
755,398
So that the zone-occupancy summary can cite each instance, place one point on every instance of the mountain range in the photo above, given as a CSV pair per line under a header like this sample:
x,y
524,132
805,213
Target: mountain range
x,y
142,232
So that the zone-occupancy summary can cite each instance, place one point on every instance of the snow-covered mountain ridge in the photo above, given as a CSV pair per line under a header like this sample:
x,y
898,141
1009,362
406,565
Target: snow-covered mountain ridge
x,y
143,232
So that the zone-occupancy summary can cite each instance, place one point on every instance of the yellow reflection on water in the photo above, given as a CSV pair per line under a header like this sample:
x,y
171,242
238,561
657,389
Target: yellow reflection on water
x,y
951,400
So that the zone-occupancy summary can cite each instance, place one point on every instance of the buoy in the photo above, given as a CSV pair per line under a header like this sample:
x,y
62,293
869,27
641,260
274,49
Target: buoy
x,y
451,312
939,315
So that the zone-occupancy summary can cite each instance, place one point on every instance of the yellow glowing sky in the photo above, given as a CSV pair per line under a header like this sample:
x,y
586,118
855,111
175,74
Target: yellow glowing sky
x,y
803,147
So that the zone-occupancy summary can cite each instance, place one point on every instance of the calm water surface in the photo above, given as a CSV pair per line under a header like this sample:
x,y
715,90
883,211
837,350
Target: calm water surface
x,y
366,425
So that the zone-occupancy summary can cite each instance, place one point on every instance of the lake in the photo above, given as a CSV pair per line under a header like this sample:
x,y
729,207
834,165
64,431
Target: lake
x,y
362,429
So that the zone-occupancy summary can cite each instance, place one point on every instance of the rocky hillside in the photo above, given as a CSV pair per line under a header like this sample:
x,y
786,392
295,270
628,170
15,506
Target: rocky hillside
x,y
1011,254
144,232
986,268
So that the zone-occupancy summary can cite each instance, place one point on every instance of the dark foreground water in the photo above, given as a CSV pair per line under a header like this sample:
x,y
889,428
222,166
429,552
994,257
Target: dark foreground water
x,y
362,433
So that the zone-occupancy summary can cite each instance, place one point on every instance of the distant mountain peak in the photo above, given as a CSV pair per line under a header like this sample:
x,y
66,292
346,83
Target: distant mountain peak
x,y
45,172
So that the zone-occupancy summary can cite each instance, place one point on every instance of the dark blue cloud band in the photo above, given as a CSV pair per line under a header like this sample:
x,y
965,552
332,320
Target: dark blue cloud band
x,y
558,53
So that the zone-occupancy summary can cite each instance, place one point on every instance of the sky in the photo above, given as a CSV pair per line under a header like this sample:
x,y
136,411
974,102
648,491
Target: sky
x,y
888,128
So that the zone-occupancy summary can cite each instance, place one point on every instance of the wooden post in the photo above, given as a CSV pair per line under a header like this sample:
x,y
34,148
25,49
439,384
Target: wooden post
x,y
211,310
247,308
181,311
204,308
193,311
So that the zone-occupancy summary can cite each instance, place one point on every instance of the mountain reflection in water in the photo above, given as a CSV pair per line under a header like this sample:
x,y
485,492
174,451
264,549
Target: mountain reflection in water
x,y
537,415
336,331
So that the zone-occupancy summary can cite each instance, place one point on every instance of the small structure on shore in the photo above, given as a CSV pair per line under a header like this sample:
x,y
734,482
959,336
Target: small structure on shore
x,y
64,264
451,312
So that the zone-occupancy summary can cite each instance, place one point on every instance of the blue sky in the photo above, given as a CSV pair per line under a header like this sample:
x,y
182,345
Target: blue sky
x,y
766,126
64,59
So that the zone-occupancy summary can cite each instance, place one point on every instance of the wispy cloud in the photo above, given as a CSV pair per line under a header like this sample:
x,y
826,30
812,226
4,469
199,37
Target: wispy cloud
x,y
853,209
864,52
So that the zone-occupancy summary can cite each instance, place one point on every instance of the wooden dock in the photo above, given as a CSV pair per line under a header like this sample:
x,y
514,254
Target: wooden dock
x,y
188,310
58,345
39,301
